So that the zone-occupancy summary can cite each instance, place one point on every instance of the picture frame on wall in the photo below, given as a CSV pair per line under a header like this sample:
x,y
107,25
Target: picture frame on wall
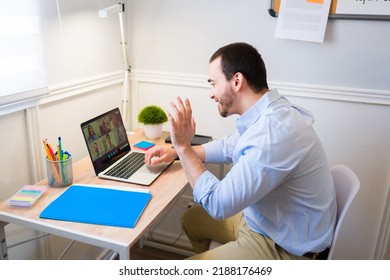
x,y
343,9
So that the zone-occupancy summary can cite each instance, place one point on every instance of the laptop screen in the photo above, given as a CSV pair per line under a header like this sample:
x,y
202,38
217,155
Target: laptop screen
x,y
106,139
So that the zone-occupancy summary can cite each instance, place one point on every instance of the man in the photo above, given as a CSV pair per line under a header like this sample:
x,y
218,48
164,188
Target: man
x,y
278,199
110,145
96,150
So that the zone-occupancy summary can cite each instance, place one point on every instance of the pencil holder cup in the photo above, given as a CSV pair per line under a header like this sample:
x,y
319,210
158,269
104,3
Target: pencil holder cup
x,y
59,172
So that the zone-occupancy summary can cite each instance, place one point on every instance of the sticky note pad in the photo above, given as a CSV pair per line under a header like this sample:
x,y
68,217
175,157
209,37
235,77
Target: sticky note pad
x,y
144,145
27,196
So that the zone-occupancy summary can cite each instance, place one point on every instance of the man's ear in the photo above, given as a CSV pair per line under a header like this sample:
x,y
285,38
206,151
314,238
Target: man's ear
x,y
238,79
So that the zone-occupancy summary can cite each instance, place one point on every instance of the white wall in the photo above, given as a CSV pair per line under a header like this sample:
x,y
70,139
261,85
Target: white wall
x,y
180,35
345,82
80,44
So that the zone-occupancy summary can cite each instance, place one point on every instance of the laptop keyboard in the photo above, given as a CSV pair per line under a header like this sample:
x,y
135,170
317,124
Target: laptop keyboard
x,y
128,166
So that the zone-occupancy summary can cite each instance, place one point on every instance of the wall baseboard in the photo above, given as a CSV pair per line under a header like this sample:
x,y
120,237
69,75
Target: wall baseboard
x,y
58,92
346,94
62,91
67,90
367,96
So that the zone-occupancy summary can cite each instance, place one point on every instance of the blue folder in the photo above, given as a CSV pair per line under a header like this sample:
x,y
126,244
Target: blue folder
x,y
95,205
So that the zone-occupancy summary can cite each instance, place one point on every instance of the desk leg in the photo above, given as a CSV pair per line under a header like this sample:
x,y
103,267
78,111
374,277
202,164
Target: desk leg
x,y
124,254
3,242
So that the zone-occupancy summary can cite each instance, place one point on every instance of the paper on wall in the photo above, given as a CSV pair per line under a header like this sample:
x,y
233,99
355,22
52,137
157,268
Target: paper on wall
x,y
304,20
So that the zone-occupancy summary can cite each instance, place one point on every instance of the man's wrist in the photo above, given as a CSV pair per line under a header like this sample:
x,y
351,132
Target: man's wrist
x,y
177,156
182,150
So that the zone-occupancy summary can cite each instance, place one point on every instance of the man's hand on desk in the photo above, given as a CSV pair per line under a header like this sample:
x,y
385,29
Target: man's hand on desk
x,y
160,154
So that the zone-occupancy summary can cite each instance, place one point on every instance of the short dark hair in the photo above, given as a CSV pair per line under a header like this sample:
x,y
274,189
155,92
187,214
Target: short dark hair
x,y
243,58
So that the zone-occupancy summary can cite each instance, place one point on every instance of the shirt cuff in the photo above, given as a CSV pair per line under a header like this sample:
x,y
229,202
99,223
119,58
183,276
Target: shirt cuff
x,y
204,185
212,156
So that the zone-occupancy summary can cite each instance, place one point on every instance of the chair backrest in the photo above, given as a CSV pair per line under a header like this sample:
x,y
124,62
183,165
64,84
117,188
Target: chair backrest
x,y
347,185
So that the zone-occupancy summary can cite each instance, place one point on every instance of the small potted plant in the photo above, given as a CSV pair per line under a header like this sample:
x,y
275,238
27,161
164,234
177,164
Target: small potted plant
x,y
152,117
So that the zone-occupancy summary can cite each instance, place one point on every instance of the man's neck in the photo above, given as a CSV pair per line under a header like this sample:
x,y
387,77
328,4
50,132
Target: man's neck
x,y
251,99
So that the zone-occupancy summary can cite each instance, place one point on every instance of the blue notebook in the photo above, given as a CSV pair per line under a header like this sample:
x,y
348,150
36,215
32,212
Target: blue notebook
x,y
95,205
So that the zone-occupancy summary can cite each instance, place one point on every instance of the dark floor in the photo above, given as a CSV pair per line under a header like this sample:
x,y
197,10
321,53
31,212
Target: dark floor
x,y
149,253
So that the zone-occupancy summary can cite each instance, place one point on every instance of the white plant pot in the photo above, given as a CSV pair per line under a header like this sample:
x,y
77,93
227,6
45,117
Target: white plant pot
x,y
153,131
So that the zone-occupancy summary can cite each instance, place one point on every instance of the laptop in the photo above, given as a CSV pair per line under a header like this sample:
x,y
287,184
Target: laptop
x,y
111,154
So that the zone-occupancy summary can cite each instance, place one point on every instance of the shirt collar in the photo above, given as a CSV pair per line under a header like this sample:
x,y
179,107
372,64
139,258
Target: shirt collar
x,y
249,117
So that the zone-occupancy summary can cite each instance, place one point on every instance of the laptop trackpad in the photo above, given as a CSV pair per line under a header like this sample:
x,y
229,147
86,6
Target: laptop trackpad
x,y
147,174
155,169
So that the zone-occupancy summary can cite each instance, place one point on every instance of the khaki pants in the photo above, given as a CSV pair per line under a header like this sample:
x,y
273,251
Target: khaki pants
x,y
240,242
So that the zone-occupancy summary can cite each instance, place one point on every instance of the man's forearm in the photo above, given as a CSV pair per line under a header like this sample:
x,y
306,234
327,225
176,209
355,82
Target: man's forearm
x,y
192,159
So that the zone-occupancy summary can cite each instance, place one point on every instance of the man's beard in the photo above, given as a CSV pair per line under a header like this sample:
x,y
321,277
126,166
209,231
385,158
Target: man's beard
x,y
226,102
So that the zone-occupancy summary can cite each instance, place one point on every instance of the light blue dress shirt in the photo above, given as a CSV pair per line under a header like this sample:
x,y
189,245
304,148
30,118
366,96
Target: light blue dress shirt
x,y
280,179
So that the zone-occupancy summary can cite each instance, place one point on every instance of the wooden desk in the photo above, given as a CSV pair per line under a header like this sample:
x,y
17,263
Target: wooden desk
x,y
165,191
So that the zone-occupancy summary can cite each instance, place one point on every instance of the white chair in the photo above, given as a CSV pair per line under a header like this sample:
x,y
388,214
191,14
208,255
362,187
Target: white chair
x,y
347,185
